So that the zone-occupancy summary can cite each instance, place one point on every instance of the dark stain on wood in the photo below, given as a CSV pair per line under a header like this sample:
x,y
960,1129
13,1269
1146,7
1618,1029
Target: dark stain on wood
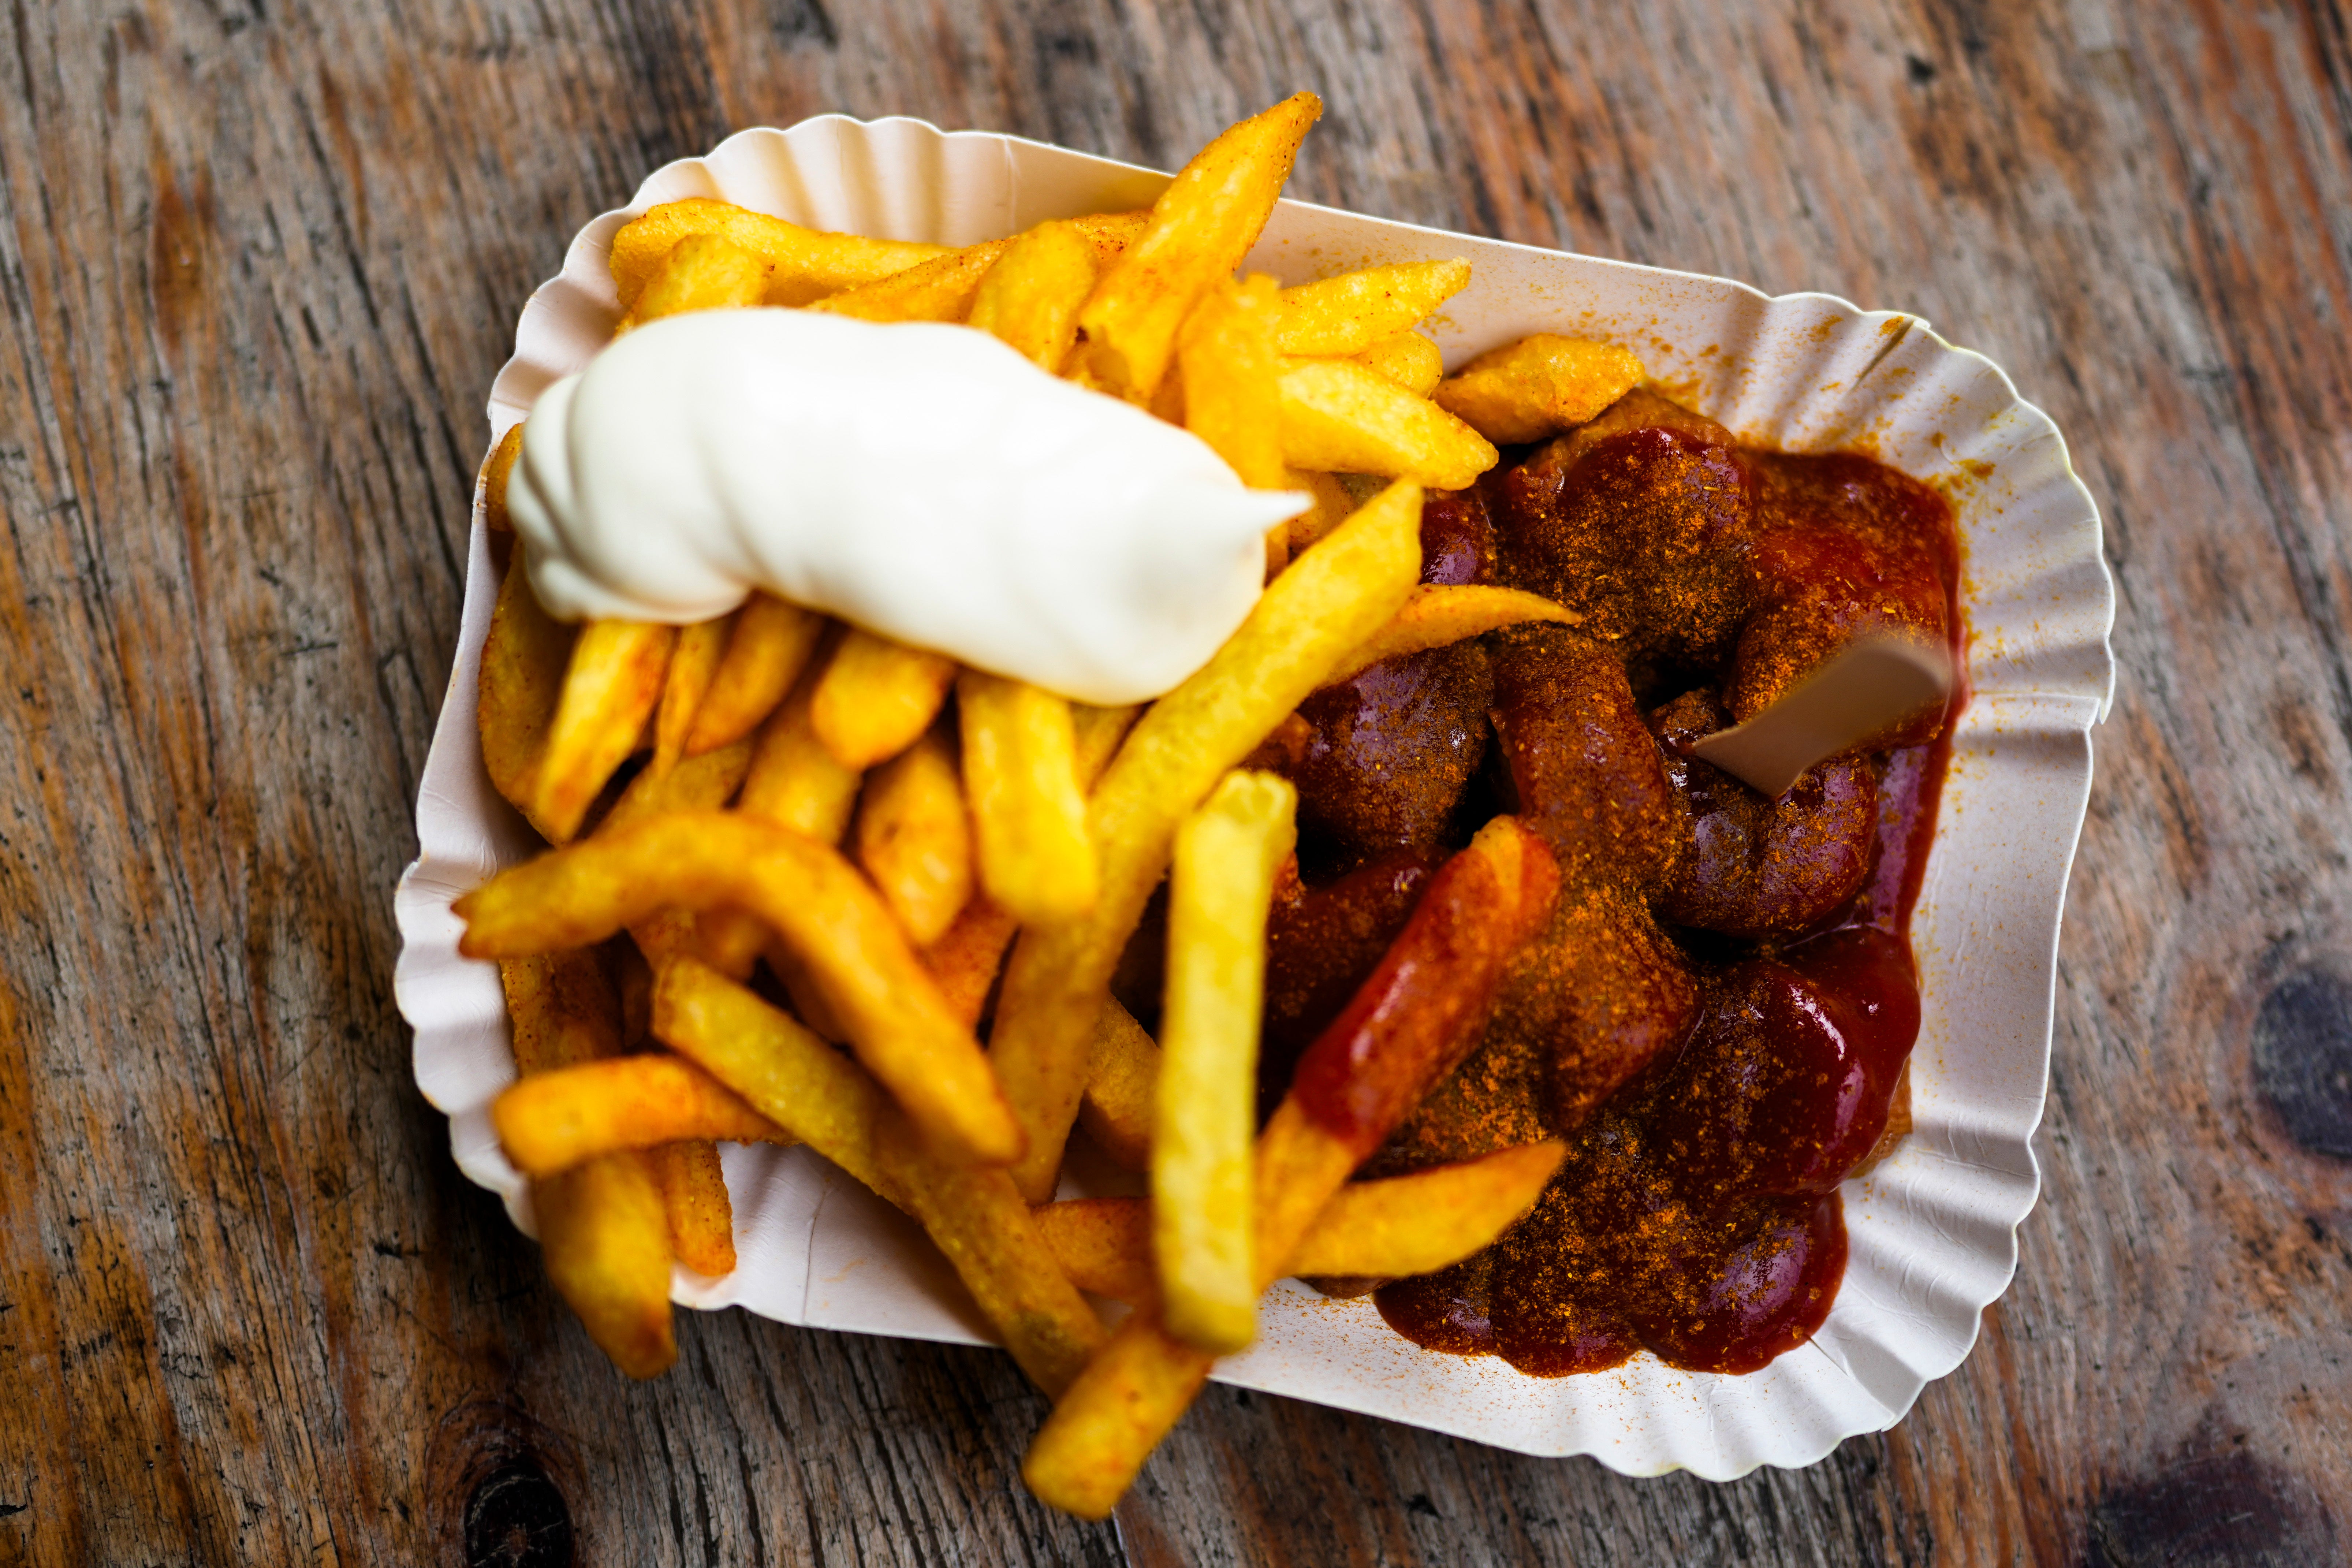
x,y
2303,1058
2212,1510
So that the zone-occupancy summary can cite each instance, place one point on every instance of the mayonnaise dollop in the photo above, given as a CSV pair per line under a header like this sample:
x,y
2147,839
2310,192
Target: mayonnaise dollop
x,y
921,480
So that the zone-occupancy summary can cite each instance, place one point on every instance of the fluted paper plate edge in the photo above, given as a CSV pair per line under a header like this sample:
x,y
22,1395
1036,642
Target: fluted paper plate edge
x,y
1933,1230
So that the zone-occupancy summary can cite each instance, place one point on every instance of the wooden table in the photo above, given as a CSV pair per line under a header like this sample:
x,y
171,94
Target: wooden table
x,y
259,260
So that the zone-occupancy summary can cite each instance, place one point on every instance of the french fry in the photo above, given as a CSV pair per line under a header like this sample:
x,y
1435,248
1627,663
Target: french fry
x,y
1409,360
1333,506
768,646
1104,1245
914,839
1122,1077
1429,1220
965,961
550,1122
1205,1108
947,287
701,272
1388,1229
699,784
1096,735
1411,1023
1028,812
1200,228
1350,314
901,1027
523,660
802,264
560,1010
821,1098
496,470
1030,297
1340,416
604,1238
794,781
610,688
875,697
1327,601
1109,1421
1225,350
976,1217
694,1199
1437,615
602,1230
1536,388
693,663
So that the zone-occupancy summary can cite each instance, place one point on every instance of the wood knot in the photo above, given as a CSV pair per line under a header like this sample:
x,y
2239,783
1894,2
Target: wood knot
x,y
2303,1059
517,1518
499,1483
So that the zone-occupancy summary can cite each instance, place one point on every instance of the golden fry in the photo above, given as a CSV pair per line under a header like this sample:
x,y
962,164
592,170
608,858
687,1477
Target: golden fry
x,y
769,646
1437,615
965,961
1408,358
1388,1229
1231,401
1341,418
947,287
550,1122
523,660
1096,736
876,696
1429,1220
693,663
1220,887
694,1197
899,1025
794,782
1028,812
701,272
784,1072
604,1238
972,1213
1536,388
1329,600
609,690
602,1230
1350,314
1104,1245
496,470
560,1010
802,264
1030,297
1200,228
977,1217
1333,506
1130,1395
914,839
1103,1429
1122,1078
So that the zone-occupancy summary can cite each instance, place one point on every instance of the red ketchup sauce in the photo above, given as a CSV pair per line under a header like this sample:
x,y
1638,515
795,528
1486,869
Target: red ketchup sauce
x,y
1718,1015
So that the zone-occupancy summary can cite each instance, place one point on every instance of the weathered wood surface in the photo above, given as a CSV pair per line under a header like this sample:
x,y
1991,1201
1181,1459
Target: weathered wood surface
x,y
259,260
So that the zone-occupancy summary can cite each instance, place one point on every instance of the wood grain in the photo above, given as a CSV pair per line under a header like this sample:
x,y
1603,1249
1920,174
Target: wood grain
x,y
259,260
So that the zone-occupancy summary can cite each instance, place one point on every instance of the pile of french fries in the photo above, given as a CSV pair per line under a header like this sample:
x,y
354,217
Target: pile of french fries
x,y
795,862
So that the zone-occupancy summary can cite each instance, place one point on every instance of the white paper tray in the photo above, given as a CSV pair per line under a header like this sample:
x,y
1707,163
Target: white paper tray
x,y
1933,1230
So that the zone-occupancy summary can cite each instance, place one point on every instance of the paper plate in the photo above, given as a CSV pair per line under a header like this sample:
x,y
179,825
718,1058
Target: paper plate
x,y
1933,1230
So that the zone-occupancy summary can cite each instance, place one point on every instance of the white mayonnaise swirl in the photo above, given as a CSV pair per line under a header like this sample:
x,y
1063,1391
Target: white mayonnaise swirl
x,y
923,481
